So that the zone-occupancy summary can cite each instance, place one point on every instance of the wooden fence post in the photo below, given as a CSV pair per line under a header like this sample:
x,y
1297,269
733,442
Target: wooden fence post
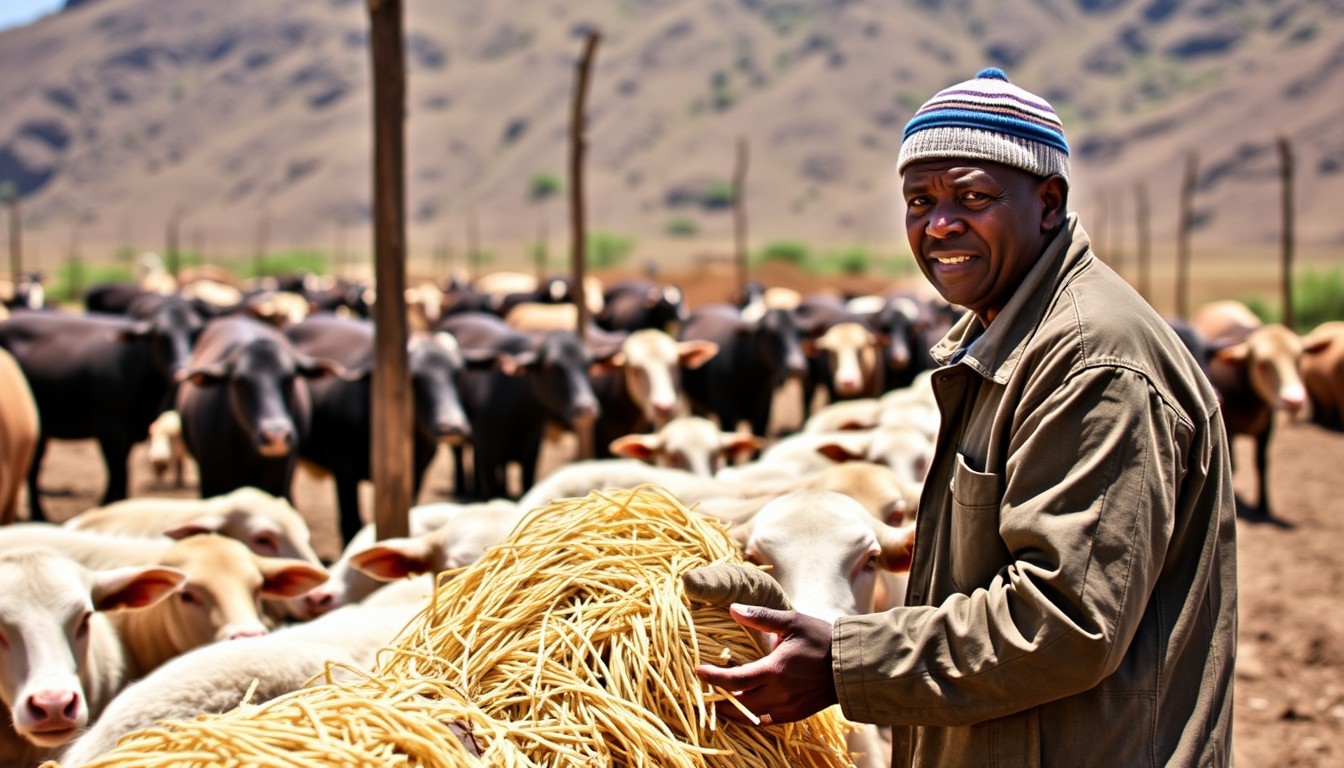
x,y
392,459
1142,241
1286,270
578,145
740,209
1184,226
9,193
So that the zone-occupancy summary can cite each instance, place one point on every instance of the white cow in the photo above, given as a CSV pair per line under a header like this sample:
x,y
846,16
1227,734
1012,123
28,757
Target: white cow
x,y
215,678
825,550
167,450
219,600
91,549
268,525
692,443
347,584
60,658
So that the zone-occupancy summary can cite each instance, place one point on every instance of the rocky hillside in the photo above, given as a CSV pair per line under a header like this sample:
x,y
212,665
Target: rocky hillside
x,y
116,114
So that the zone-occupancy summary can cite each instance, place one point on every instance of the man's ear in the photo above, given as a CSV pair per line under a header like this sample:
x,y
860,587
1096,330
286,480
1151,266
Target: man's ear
x,y
1054,192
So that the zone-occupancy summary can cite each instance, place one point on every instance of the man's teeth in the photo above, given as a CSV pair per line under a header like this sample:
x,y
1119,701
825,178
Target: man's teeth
x,y
952,259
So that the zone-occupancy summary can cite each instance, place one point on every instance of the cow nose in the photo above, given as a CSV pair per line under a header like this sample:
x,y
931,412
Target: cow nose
x,y
54,706
319,602
664,410
242,632
1293,399
585,408
795,364
452,430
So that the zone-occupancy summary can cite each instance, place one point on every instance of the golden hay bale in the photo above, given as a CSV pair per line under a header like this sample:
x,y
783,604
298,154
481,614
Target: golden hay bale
x,y
572,643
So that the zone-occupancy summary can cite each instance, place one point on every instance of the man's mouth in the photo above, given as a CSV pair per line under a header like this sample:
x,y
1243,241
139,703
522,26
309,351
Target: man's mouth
x,y
951,259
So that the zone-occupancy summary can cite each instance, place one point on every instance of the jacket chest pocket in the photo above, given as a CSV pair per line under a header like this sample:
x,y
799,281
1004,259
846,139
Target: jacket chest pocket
x,y
977,549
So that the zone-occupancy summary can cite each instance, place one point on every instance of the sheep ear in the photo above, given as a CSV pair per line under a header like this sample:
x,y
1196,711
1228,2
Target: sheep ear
x,y
642,447
897,545
392,559
134,587
1237,353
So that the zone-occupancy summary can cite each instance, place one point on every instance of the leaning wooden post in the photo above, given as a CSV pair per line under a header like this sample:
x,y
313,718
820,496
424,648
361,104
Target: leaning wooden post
x,y
1142,240
1184,226
578,144
579,245
1286,172
740,209
9,193
392,404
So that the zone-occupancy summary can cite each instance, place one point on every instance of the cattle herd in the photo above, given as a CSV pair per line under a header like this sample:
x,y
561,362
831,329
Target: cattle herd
x,y
144,608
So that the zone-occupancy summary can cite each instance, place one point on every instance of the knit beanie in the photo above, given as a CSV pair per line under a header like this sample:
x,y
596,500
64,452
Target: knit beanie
x,y
988,118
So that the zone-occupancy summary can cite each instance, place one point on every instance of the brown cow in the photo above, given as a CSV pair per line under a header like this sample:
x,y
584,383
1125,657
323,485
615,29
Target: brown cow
x,y
1323,373
18,434
1255,371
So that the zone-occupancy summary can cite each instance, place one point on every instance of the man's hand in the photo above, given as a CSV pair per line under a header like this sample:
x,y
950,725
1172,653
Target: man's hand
x,y
791,683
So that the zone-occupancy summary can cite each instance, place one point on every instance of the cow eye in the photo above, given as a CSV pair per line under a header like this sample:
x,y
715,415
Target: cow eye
x,y
265,542
82,629
188,598
871,563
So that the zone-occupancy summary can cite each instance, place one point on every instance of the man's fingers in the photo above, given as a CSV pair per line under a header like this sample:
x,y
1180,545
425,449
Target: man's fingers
x,y
761,619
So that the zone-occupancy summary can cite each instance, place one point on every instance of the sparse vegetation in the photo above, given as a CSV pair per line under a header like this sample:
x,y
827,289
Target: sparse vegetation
x,y
608,249
1317,298
283,263
544,185
682,227
793,252
718,194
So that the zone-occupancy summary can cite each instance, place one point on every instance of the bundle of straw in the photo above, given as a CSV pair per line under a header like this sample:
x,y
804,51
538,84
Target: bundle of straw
x,y
570,644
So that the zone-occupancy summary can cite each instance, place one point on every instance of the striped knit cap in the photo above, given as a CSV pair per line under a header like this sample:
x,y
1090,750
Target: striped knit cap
x,y
988,118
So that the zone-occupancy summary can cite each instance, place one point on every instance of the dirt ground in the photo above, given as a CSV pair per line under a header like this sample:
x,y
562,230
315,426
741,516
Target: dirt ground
x,y
1290,665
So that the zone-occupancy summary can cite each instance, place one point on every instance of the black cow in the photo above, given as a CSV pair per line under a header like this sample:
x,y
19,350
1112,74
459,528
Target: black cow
x,y
245,406
105,378
342,415
112,298
816,314
633,305
907,328
755,358
513,387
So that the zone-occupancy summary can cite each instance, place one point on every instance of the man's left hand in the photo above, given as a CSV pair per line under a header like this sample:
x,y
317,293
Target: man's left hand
x,y
792,682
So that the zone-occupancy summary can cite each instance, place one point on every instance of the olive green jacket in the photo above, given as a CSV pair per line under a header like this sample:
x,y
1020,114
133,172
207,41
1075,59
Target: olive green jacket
x,y
1072,599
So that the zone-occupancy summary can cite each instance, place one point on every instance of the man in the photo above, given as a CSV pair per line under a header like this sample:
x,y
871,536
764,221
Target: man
x,y
1072,595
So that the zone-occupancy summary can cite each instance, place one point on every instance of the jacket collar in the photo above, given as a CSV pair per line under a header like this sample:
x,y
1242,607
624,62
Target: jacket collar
x,y
994,351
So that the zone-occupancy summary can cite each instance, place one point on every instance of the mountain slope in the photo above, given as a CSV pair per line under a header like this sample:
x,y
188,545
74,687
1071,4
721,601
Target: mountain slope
x,y
120,113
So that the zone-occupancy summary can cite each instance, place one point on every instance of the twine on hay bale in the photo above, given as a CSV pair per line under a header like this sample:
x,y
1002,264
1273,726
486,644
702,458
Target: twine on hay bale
x,y
571,643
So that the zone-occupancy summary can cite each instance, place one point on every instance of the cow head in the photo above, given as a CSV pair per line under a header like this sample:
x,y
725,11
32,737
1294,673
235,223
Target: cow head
x,y
436,364
1271,356
557,369
52,636
267,394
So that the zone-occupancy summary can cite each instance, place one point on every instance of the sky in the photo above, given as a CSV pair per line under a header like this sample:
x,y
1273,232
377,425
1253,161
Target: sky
x,y
16,13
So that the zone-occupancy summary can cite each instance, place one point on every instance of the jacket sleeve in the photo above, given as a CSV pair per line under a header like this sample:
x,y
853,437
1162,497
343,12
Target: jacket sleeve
x,y
1090,489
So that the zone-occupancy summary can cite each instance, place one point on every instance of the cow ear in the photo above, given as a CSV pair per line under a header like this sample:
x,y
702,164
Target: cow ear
x,y
199,525
479,359
695,353
608,364
1317,340
642,447
134,587
515,365
287,577
320,367
1236,353
839,452
810,346
732,442
142,328
392,559
204,375
897,545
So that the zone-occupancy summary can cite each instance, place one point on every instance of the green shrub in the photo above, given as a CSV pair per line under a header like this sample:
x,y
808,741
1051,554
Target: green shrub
x,y
607,249
284,263
793,252
544,184
682,227
1317,298
718,194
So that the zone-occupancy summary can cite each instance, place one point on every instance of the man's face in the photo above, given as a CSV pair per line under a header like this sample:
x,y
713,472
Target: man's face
x,y
976,227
